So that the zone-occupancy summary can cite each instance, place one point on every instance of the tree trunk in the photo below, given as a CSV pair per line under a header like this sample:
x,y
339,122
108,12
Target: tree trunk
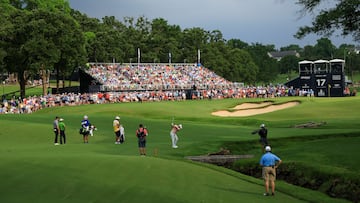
x,y
72,72
43,74
63,81
22,82
57,78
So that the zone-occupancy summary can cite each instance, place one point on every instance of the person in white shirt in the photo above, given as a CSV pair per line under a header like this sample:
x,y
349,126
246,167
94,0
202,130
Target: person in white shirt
x,y
173,134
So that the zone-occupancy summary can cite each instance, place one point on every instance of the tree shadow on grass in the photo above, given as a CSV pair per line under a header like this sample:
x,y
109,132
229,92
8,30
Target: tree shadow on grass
x,y
235,190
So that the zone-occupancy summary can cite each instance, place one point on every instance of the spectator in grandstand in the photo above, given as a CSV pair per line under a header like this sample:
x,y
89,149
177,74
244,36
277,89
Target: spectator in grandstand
x,y
62,131
141,134
152,77
56,130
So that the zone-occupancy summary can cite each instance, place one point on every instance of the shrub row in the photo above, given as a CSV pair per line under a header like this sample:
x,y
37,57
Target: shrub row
x,y
344,186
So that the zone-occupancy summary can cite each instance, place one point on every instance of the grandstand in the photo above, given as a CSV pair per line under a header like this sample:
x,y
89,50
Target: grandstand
x,y
195,80
113,77
115,83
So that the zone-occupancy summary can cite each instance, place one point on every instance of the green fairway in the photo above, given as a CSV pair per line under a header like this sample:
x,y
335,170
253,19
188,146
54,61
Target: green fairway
x,y
32,169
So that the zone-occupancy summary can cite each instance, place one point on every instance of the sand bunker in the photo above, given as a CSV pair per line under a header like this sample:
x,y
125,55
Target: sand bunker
x,y
250,109
251,105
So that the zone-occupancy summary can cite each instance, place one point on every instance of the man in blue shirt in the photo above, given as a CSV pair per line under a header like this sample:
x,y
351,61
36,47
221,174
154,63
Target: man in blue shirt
x,y
269,162
85,124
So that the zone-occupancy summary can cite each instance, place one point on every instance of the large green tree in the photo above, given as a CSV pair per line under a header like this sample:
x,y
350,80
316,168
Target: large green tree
x,y
39,36
242,67
70,42
214,54
344,15
288,64
268,69
163,42
324,49
90,27
194,39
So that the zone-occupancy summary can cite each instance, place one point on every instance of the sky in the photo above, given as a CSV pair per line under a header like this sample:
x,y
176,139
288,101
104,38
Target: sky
x,y
269,22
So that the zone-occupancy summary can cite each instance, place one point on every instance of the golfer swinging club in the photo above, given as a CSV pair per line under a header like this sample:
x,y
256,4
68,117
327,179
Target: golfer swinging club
x,y
263,136
173,135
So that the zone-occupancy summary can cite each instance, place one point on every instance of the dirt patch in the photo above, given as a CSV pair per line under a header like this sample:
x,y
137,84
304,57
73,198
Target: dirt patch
x,y
220,160
254,109
310,125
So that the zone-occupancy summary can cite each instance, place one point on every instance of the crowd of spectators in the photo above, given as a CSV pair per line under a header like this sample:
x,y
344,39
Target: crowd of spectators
x,y
34,103
115,77
148,83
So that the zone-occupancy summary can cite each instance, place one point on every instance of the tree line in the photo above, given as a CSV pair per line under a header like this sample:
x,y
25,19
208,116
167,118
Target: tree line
x,y
38,36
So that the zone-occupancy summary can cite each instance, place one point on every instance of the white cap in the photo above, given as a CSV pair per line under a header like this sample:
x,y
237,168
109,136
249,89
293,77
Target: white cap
x,y
61,119
180,126
262,126
85,117
268,148
117,118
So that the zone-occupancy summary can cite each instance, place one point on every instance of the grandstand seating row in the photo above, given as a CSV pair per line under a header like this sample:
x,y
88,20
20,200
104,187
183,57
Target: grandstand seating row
x,y
115,77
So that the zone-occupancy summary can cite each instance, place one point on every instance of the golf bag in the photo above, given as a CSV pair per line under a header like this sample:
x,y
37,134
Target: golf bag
x,y
122,134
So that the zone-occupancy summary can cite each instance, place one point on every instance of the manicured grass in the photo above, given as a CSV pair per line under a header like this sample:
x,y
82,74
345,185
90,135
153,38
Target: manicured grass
x,y
13,89
336,148
34,170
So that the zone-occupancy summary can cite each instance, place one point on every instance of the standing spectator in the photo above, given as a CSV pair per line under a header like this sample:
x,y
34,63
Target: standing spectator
x,y
263,136
62,131
56,130
116,126
269,163
173,135
85,125
141,134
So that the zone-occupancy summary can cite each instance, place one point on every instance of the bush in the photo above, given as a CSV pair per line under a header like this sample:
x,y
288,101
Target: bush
x,y
297,173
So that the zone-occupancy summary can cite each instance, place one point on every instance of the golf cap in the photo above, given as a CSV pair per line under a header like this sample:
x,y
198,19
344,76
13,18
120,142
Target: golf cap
x,y
180,126
61,119
268,148
85,117
117,118
262,126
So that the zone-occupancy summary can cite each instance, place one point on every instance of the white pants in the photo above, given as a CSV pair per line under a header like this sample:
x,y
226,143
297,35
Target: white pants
x,y
174,139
